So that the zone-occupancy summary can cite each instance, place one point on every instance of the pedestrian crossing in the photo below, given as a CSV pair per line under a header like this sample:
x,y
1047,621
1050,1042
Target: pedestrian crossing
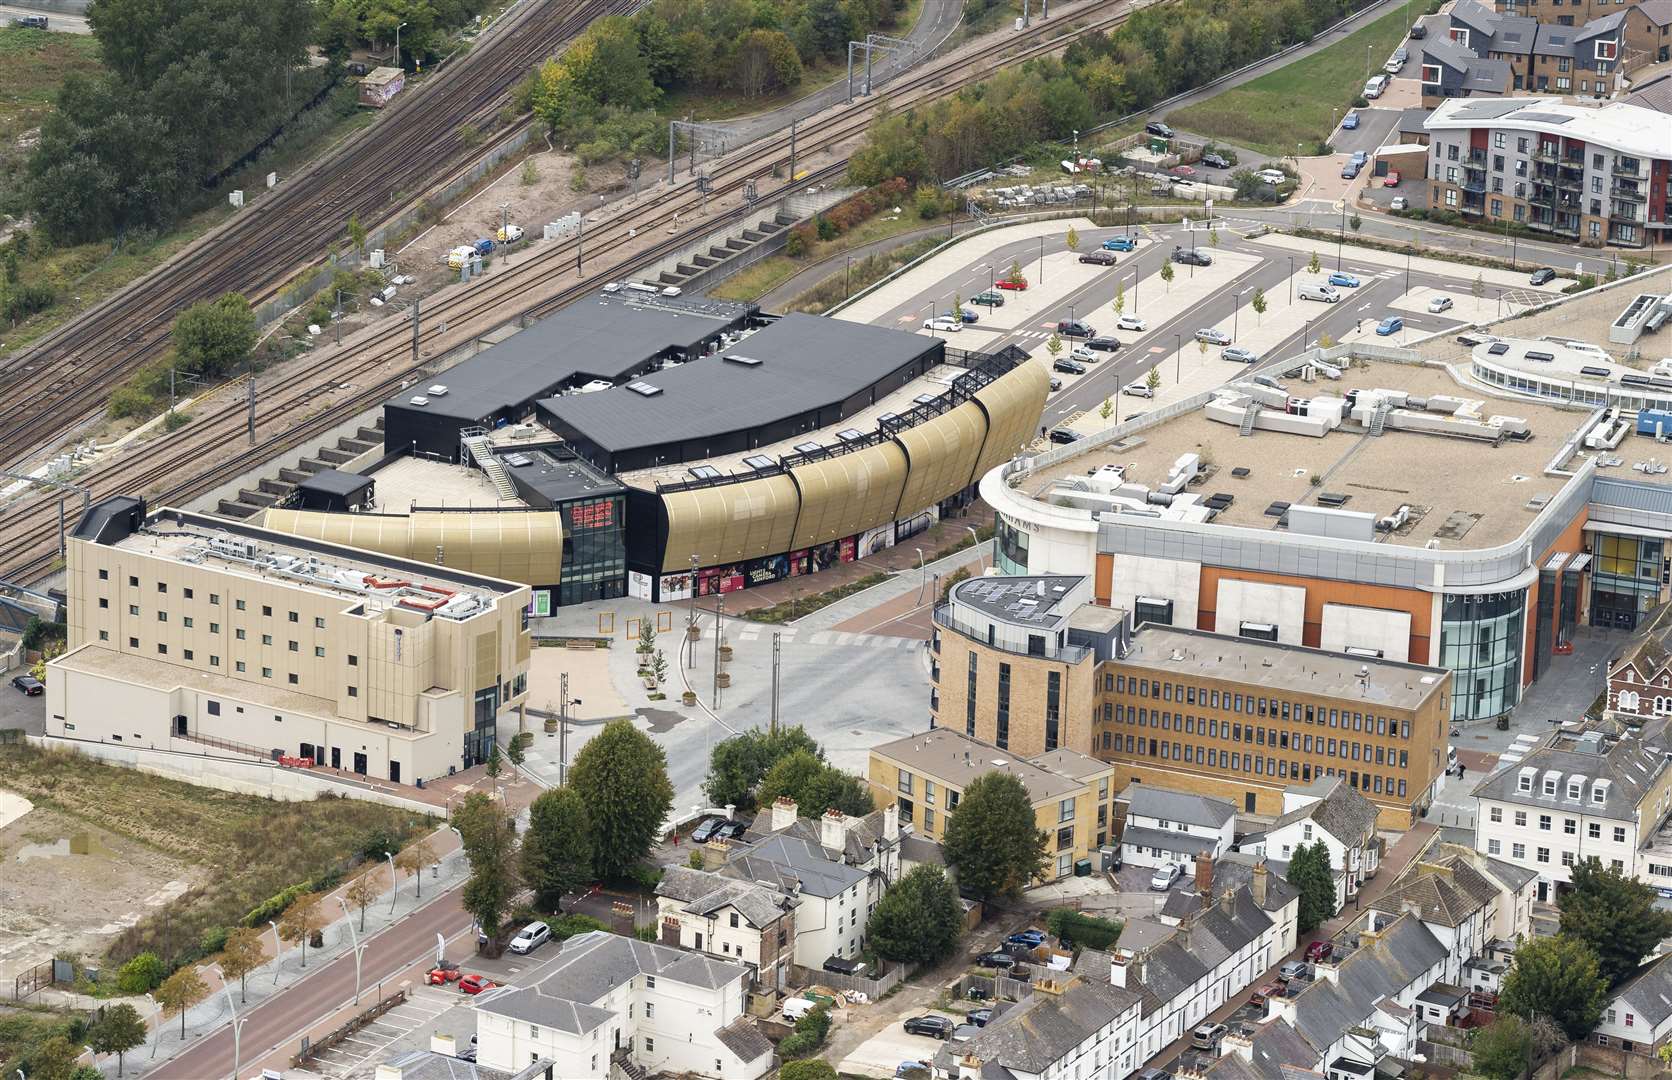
x,y
790,636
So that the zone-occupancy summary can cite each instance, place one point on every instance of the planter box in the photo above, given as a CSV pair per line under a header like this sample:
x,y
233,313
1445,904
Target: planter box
x,y
551,726
724,678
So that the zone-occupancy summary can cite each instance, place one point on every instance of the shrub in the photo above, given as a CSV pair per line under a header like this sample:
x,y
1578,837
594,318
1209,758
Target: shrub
x,y
213,940
646,877
815,1025
375,843
824,227
1083,931
143,973
38,633
795,245
568,926
797,1046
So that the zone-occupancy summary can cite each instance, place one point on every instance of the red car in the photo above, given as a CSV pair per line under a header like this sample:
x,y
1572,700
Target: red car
x,y
1182,170
1319,950
1013,284
475,984
441,976
1266,993
1392,178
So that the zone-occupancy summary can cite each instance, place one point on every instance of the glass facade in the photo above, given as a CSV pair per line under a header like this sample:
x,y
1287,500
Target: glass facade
x,y
594,552
1625,580
478,742
1480,643
1010,547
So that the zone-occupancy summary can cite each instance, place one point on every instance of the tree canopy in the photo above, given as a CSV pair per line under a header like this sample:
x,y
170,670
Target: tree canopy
x,y
622,777
119,1030
993,841
557,849
212,337
490,842
736,765
1558,977
1309,871
918,920
815,786
1615,915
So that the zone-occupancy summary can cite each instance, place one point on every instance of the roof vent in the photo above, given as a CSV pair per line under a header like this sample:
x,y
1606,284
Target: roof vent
x,y
420,401
438,390
746,361
759,461
644,389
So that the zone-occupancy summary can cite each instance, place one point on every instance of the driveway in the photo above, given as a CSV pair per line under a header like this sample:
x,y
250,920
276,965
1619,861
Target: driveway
x,y
883,1052
1375,130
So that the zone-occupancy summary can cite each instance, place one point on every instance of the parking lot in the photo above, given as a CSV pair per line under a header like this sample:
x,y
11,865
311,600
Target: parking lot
x,y
883,1052
373,1042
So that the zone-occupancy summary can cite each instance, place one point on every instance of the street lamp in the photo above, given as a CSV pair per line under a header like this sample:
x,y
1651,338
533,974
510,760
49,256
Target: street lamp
x,y
1236,309
1292,280
398,46
923,574
1178,359
358,946
278,950
156,1025
394,883
238,1022
976,538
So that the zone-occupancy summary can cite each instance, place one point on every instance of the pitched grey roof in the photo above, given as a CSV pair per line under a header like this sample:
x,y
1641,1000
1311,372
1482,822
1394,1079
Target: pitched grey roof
x,y
1649,992
1656,95
1275,1045
1445,892
1031,1035
1341,811
860,839
917,849
1382,968
742,1038
1234,870
1203,940
429,1065
1178,843
561,993
782,858
1147,801
1659,12
705,893
1628,766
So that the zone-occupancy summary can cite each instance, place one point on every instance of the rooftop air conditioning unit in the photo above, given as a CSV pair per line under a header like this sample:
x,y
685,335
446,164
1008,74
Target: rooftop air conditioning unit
x,y
420,400
438,390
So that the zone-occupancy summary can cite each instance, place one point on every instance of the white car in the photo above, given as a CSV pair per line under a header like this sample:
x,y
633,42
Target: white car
x,y
1138,390
1084,355
1131,322
1164,876
1439,304
531,937
1399,202
944,324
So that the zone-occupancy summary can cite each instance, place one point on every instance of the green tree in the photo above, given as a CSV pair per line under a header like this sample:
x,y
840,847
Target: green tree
x,y
362,892
142,973
659,667
1119,304
243,953
1503,1049
1355,223
1015,272
1153,379
1310,874
119,1030
623,778
736,765
1477,287
1053,345
54,1059
180,991
810,1069
992,840
357,235
1213,237
1072,239
496,763
514,751
490,842
1556,977
557,848
413,859
215,336
1615,915
893,147
814,786
767,63
301,921
1312,264
1258,303
1107,409
1167,275
918,920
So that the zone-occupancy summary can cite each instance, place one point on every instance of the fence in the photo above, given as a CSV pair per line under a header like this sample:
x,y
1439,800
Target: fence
x,y
872,988
310,1049
35,978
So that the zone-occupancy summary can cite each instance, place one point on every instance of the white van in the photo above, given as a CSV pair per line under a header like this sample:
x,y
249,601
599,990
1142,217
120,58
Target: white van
x,y
1272,176
1377,84
1322,293
796,1008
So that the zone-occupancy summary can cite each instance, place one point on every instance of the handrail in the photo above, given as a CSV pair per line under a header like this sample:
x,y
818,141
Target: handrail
x,y
1068,654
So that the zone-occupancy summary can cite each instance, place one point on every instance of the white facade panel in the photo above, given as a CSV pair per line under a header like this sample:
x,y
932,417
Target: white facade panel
x,y
1349,626
1282,606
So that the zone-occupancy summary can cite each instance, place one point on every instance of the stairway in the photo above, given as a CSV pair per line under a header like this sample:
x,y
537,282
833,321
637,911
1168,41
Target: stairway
x,y
481,452
1248,415
1379,419
623,1067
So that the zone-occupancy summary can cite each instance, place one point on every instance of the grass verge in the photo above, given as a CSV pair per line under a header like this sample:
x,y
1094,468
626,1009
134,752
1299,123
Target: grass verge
x,y
253,847
753,282
1296,104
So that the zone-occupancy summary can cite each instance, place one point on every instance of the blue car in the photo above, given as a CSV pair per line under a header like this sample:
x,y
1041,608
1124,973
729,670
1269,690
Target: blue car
x,y
1120,243
1346,281
1031,938
1390,326
1349,122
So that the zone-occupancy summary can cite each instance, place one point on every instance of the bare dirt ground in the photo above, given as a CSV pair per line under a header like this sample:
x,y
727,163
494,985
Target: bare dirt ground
x,y
69,887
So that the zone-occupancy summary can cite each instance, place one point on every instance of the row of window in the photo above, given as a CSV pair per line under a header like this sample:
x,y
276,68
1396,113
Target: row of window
x,y
1542,855
1305,742
1250,705
214,599
1570,826
215,628
1247,763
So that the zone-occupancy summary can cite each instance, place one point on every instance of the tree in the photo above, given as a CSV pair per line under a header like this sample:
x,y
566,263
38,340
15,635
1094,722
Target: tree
x,y
243,953
215,336
514,749
1153,379
1015,273
54,1059
1213,237
412,859
893,148
490,842
992,839
647,637
496,763
1053,345
362,892
301,921
1107,409
1477,287
1502,1049
659,667
918,920
1258,303
1120,299
1355,223
143,972
1167,275
1313,264
1072,239
814,786
736,765
1310,873
1325,341
557,848
180,991
1556,977
1615,915
810,1069
119,1030
357,235
766,63
623,778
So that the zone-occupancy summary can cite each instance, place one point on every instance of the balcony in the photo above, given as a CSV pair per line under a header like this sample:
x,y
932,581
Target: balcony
x,y
1475,159
1627,213
1068,654
1474,187
1628,191
1546,152
1630,168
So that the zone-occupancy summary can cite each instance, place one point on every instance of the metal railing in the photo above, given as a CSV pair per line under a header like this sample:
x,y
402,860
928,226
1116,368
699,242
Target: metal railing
x,y
1068,654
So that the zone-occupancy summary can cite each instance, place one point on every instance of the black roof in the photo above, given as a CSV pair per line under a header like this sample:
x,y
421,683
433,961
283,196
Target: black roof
x,y
111,519
336,482
554,474
797,364
604,336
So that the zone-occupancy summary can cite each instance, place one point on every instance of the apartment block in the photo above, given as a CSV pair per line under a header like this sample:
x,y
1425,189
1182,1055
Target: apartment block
x,y
1573,12
924,776
194,633
1579,173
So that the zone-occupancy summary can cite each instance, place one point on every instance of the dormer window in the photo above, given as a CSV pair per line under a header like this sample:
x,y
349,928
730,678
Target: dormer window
x,y
1576,788
1599,793
1524,782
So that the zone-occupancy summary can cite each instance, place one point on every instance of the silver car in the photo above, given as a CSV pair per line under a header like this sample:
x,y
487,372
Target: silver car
x,y
1212,336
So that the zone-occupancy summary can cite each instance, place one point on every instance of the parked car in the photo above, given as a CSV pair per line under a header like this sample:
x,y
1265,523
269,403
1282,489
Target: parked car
x,y
1349,122
730,830
1360,156
1056,383
1390,326
703,833
963,1033
484,246
443,973
1324,294
988,299
534,935
912,1070
1216,161
1183,172
1542,275
1104,344
1075,328
944,323
1238,354
936,1027
1164,876
1376,86
1099,257
969,314
1266,993
1131,322
1153,1074
1345,280
1084,355
1439,304
1192,256
1062,436
1418,31
510,234
1156,127
1293,969
475,984
1213,336
1399,202
1207,1036
1395,64
1351,170
980,1017
1069,367
31,22
29,685
1137,389
1319,951
1392,178
1273,177
1120,243
1014,284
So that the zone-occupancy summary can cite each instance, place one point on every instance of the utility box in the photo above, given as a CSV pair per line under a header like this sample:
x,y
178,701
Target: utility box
x,y
380,85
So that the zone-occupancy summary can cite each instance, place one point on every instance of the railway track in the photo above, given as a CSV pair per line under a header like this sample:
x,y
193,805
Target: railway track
x,y
70,373
377,361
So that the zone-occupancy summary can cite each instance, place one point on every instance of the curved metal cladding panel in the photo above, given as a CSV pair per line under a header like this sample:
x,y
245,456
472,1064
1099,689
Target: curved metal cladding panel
x,y
844,495
524,546
386,533
1013,403
728,523
941,456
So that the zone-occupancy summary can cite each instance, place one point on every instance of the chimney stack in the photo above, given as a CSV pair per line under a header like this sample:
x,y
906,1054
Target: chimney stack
x,y
969,1067
1204,875
784,812
1259,885
833,831
1118,965
891,822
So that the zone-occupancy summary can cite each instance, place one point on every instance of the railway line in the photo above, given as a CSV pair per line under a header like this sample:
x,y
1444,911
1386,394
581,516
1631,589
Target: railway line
x,y
377,361
70,373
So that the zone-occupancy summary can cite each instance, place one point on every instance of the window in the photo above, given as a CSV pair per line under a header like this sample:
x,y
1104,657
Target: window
x,y
162,650
354,691
1065,810
319,650
133,582
905,784
353,661
292,679
1521,819
1619,834
1570,826
1518,851
647,1011
649,1045
1543,854
1493,847
188,621
267,611
213,707
293,617
188,654
238,665
1544,822
188,593
239,604
294,647
267,639
1594,831
103,602
266,673
104,575
133,609
319,622
214,598
133,643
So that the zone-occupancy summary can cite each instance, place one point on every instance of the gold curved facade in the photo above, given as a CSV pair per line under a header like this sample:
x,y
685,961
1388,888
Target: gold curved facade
x,y
941,456
729,522
1013,404
844,495
524,545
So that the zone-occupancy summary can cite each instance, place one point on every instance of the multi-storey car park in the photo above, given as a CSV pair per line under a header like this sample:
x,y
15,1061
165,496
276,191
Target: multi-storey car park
x,y
1464,513
632,439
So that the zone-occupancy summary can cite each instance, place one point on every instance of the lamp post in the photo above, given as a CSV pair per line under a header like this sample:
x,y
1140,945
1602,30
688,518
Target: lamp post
x,y
358,946
976,537
1134,292
156,1025
923,574
398,30
691,619
278,950
1341,234
238,1022
1292,280
1236,309
1178,359
394,883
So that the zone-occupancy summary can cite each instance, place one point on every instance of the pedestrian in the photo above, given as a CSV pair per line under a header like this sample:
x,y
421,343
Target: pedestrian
x,y
1357,326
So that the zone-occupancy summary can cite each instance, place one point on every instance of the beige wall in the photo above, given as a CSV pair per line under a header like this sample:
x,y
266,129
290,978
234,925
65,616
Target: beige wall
x,y
1029,681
